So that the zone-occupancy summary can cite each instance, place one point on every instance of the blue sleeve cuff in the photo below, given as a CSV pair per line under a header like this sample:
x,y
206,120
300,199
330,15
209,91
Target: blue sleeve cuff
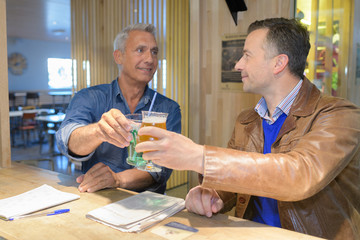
x,y
62,139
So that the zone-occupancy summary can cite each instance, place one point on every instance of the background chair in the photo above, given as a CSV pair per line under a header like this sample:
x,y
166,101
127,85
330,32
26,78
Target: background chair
x,y
12,103
28,125
14,121
47,131
76,164
32,99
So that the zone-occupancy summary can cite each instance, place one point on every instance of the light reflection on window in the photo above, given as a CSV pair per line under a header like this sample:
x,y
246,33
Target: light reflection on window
x,y
60,73
154,82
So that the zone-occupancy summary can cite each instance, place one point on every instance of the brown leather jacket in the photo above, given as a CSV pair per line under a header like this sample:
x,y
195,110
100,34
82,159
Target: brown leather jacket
x,y
313,170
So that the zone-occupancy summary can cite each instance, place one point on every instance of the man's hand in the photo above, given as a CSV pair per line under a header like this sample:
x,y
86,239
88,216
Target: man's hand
x,y
98,177
114,128
171,150
101,176
203,201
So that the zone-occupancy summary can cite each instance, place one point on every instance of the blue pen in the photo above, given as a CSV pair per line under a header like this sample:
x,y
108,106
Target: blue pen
x,y
56,212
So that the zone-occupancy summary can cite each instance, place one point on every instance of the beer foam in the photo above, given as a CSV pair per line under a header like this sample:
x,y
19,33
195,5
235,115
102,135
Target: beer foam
x,y
154,119
135,126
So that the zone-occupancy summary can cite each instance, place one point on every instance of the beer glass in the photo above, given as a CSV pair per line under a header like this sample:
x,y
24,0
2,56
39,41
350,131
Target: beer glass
x,y
155,119
134,157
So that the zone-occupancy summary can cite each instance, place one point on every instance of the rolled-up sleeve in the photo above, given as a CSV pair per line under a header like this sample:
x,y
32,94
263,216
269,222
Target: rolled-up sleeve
x,y
81,112
62,139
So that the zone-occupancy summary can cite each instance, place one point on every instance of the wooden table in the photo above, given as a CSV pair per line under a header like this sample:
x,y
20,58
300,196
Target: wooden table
x,y
74,225
19,113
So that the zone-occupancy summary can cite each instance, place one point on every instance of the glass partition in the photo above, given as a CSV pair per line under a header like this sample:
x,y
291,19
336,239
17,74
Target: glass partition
x,y
329,23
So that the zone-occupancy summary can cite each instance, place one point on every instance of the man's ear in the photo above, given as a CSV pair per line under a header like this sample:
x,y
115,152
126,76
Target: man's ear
x,y
281,62
118,56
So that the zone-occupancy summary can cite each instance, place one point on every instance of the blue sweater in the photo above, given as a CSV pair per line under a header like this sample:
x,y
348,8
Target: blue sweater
x,y
266,209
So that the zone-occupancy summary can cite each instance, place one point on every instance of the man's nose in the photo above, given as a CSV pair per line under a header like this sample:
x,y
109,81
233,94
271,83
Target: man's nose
x,y
239,66
149,57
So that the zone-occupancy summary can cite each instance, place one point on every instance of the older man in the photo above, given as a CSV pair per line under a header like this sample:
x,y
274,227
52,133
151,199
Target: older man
x,y
95,130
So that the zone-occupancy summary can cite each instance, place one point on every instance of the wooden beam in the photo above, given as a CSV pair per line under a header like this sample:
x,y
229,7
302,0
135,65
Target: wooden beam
x,y
5,150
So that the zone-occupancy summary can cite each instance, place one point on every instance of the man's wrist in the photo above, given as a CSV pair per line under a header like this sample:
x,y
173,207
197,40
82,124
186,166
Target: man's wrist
x,y
118,180
200,160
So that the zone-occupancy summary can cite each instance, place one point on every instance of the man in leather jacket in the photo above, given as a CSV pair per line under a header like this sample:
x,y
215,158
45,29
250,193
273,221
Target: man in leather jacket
x,y
293,161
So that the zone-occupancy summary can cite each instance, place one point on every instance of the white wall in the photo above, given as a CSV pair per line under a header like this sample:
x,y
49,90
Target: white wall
x,y
35,77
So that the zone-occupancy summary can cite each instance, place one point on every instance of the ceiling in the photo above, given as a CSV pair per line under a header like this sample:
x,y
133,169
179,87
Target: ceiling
x,y
47,20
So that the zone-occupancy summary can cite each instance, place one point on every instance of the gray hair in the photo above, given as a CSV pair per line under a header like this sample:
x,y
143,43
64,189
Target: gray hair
x,y
120,39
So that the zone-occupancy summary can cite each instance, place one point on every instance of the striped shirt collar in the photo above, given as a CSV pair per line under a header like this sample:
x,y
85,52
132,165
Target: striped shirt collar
x,y
283,107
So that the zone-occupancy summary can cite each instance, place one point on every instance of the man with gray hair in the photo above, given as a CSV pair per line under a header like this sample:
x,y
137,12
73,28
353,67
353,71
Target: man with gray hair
x,y
96,131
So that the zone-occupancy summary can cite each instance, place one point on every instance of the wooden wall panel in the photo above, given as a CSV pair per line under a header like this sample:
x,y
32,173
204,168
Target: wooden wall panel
x,y
213,111
5,151
177,65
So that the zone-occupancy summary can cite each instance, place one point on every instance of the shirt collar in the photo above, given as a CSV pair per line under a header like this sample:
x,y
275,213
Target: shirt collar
x,y
145,99
283,107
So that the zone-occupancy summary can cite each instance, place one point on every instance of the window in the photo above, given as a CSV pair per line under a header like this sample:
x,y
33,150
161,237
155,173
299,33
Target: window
x,y
329,23
60,73
154,83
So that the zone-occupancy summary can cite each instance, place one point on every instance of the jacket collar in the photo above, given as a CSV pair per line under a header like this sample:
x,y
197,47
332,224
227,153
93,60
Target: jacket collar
x,y
306,100
303,105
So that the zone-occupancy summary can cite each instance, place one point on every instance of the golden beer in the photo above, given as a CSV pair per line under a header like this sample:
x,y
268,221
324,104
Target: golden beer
x,y
153,121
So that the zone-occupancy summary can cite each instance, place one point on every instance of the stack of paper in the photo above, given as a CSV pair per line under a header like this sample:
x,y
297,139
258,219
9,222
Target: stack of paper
x,y
34,200
138,212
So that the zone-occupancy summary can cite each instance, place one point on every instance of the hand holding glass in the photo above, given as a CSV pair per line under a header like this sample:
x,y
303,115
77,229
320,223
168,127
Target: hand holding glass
x,y
155,119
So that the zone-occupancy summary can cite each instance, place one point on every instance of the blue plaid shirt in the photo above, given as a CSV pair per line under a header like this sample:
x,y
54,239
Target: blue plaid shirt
x,y
283,107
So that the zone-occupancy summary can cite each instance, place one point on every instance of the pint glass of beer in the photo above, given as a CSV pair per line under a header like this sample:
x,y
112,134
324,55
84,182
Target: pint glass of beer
x,y
155,119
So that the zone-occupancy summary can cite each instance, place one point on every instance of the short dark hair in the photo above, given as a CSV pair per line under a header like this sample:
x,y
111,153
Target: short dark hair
x,y
287,36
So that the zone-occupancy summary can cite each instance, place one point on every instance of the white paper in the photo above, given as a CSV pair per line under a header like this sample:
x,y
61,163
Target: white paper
x,y
34,200
137,212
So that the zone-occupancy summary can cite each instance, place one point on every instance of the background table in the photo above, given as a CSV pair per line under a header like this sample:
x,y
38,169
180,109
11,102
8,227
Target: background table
x,y
75,225
16,119
55,120
19,113
63,94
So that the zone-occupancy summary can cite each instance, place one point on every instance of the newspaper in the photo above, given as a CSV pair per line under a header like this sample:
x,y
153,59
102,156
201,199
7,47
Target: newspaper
x,y
138,212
